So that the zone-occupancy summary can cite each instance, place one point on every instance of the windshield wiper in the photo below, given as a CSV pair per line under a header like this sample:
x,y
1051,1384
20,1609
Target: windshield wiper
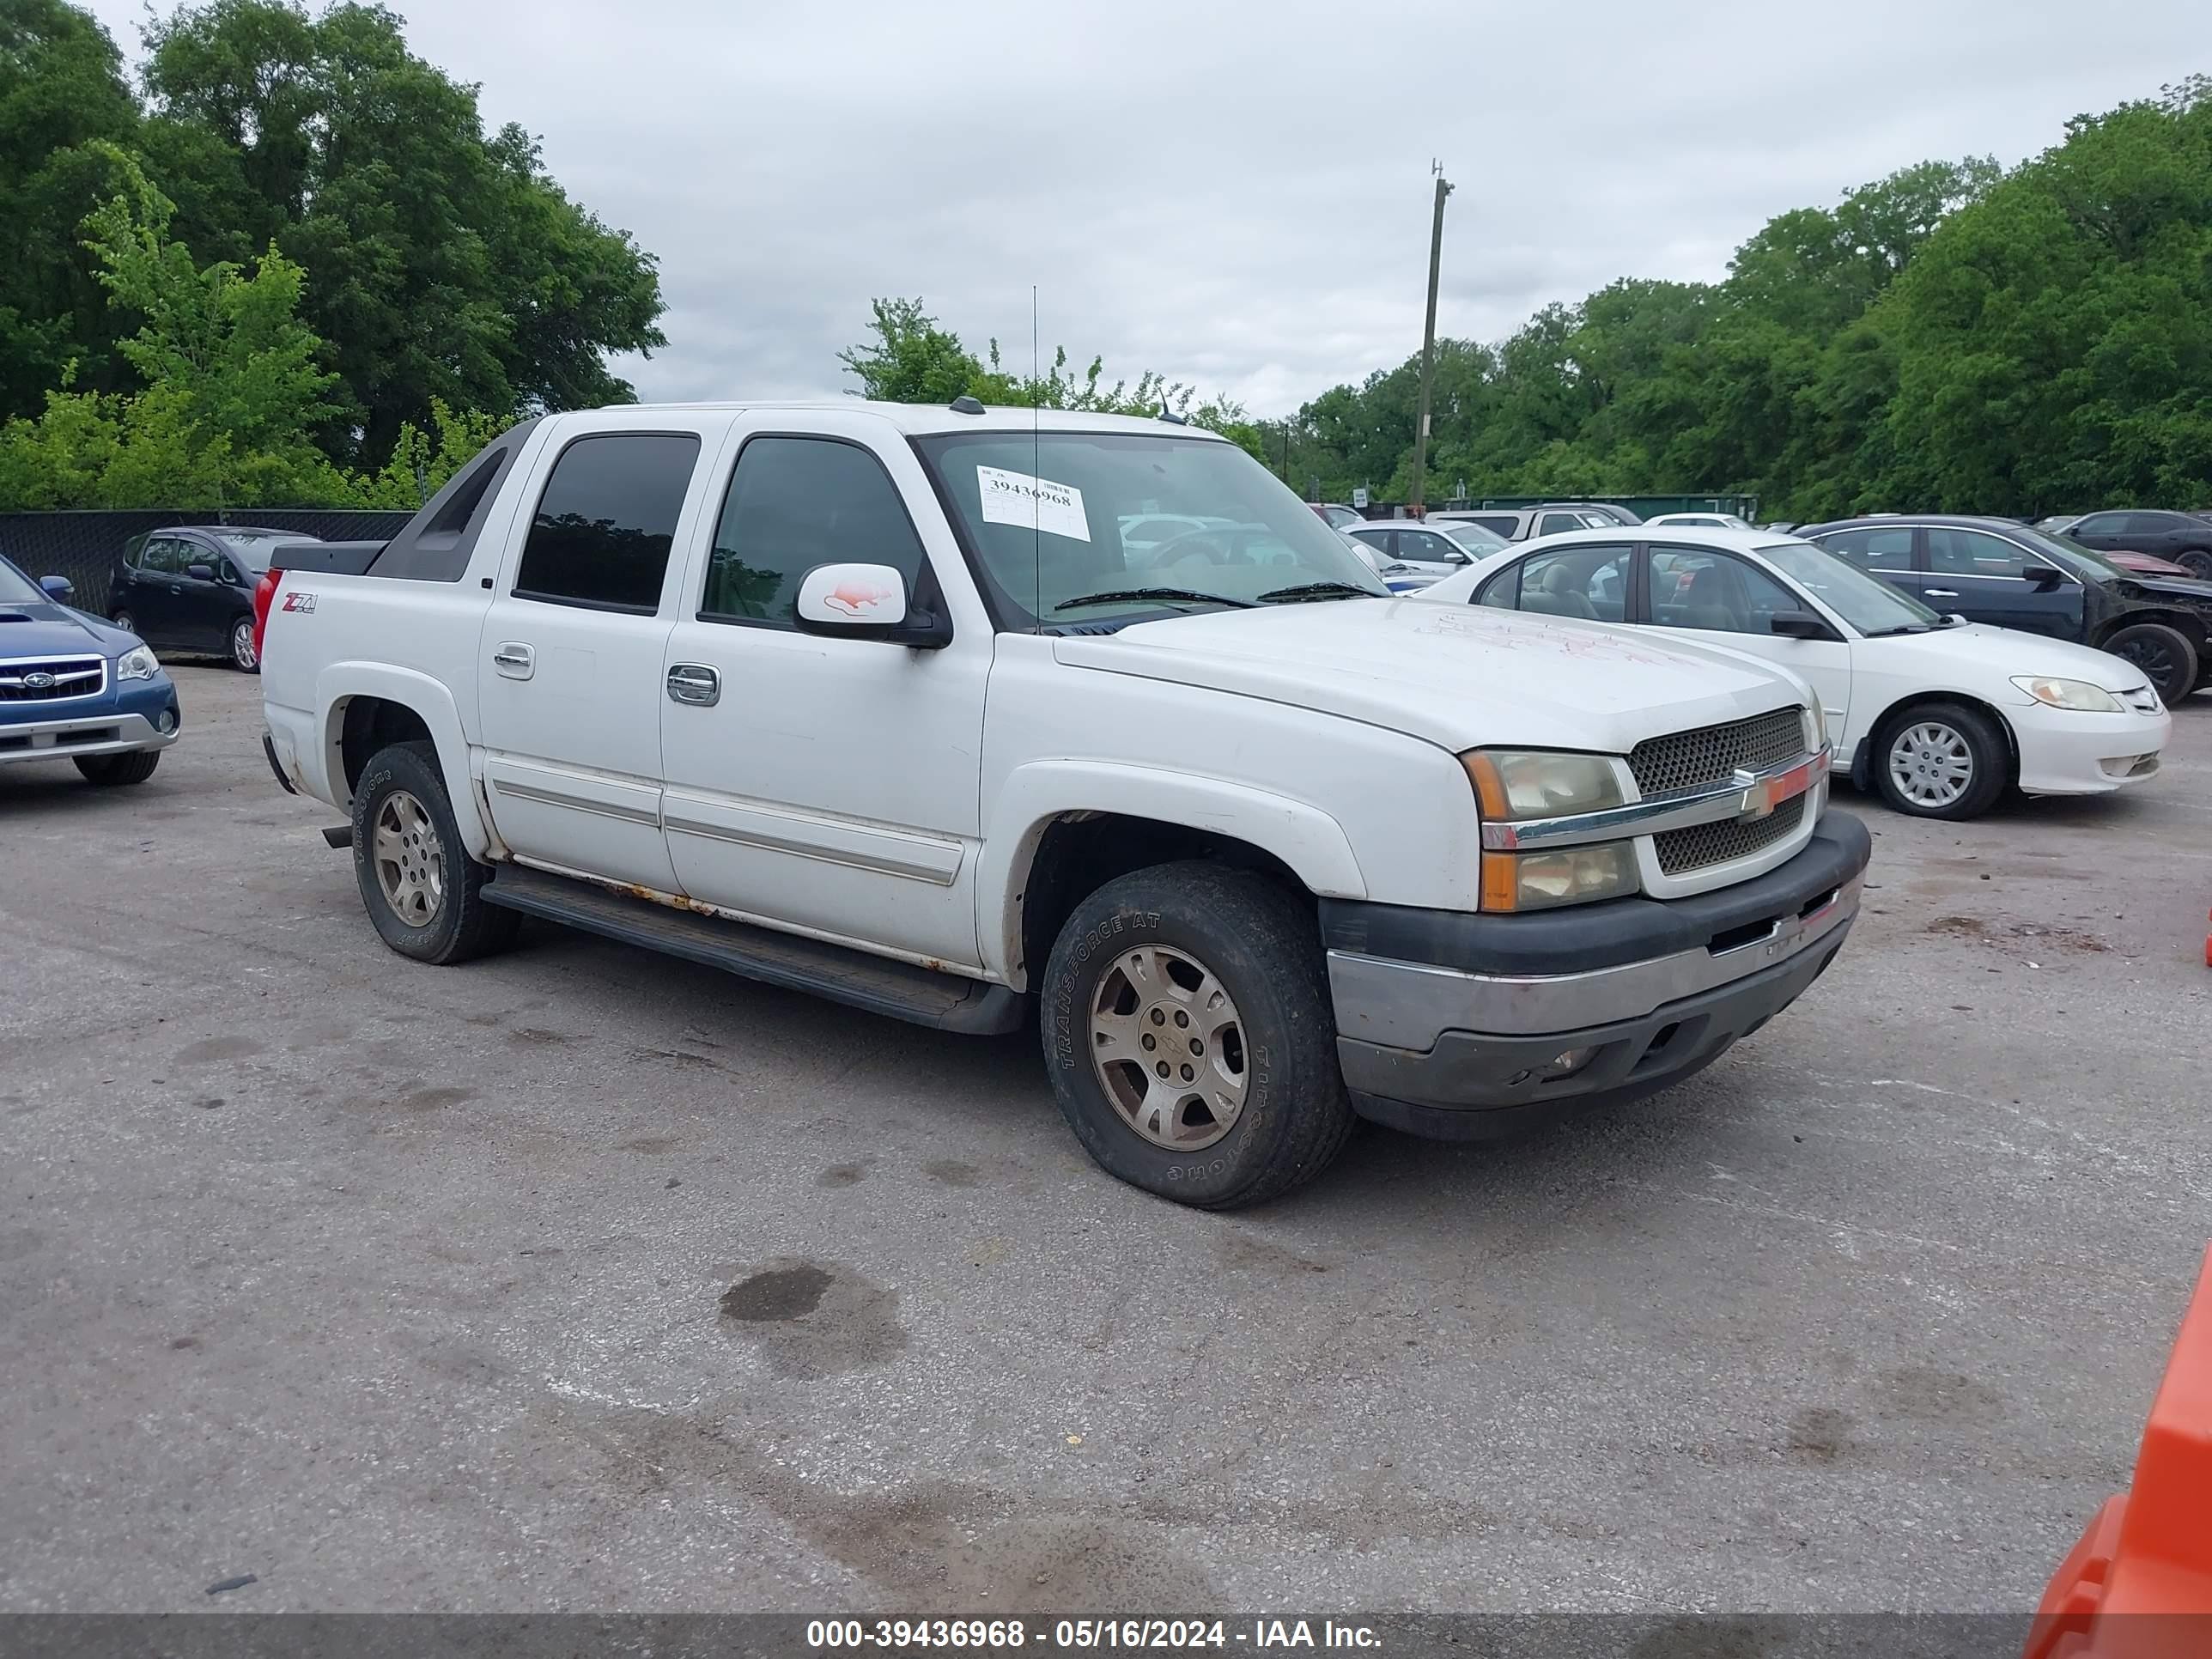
x,y
1905,628
1124,595
1318,591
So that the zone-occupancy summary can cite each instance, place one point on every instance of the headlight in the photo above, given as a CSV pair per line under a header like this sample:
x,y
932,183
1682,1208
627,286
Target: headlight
x,y
2077,695
1512,784
1515,785
137,664
1573,875
1816,727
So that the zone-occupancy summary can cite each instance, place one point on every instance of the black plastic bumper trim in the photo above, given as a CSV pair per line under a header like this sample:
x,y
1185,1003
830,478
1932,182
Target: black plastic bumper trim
x,y
268,748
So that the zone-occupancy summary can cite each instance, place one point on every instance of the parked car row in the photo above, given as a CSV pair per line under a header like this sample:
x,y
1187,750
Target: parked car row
x,y
1937,714
1130,743
1998,571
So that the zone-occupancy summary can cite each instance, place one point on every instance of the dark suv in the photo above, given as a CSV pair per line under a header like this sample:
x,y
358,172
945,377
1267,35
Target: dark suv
x,y
2000,571
2184,538
191,588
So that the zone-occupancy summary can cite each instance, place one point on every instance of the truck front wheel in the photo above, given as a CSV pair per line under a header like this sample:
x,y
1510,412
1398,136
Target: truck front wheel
x,y
1189,1032
422,889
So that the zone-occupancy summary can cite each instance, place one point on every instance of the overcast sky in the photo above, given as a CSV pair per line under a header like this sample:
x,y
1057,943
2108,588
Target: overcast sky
x,y
1236,192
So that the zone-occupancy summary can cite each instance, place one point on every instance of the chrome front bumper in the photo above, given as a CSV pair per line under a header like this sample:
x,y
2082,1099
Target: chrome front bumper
x,y
1512,1019
88,734
1406,1003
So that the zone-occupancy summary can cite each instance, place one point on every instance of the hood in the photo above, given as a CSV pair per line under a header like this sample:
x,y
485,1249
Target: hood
x,y
44,629
2008,651
2187,589
2147,564
1459,676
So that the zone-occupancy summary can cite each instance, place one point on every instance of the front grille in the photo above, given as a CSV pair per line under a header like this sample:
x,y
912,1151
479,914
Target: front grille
x,y
1710,754
1681,850
56,678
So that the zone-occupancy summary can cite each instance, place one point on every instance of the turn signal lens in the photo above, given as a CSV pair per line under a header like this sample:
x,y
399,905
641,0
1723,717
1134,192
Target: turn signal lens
x,y
1573,875
1538,784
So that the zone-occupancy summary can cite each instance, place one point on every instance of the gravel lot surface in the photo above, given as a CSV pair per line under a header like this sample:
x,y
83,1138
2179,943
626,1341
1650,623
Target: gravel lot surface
x,y
582,1279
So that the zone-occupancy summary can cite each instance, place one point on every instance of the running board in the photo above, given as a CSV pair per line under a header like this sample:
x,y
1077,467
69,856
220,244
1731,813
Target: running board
x,y
879,985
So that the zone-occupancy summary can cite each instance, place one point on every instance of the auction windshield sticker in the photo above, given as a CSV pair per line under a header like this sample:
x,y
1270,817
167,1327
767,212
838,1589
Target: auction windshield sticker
x,y
1017,498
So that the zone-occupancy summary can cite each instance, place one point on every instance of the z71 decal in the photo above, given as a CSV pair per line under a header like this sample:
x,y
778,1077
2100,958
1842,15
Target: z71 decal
x,y
299,602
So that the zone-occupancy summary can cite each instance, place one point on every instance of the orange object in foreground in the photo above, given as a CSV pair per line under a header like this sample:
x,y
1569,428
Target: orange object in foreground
x,y
2138,1585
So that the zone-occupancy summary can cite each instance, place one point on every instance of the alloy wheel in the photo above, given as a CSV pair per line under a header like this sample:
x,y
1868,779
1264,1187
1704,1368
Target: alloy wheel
x,y
409,860
1169,1046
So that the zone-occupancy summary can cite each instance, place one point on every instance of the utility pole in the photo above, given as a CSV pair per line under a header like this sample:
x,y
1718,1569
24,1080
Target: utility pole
x,y
1429,337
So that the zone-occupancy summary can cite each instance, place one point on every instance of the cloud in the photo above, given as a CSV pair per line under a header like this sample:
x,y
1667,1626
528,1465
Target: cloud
x,y
1235,193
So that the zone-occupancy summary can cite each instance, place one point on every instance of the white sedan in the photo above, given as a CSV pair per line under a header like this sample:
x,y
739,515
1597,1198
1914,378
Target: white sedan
x,y
1698,522
1937,713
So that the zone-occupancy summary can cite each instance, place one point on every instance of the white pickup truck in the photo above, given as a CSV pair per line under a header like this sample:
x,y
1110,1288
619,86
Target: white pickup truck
x,y
874,700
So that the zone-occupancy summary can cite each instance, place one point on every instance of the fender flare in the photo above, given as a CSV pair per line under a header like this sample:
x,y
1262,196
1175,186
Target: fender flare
x,y
1306,839
339,682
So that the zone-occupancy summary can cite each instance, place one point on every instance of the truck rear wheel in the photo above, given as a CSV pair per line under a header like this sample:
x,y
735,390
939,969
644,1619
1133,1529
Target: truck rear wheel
x,y
1188,1029
422,889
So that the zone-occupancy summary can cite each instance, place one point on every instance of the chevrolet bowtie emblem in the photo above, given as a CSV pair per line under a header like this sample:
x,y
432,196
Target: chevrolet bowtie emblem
x,y
1761,795
1758,801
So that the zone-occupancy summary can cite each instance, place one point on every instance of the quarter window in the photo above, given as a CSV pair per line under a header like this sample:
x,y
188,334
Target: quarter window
x,y
607,520
795,503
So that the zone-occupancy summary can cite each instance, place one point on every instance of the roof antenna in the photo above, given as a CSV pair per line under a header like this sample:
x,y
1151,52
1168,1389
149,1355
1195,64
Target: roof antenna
x,y
1036,465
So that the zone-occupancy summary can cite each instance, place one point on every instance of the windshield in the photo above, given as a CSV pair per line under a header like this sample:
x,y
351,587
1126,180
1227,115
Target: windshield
x,y
1472,538
2071,555
16,588
1870,605
1042,513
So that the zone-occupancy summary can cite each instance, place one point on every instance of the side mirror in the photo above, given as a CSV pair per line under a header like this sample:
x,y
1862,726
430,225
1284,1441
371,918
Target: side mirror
x,y
2043,577
60,589
200,572
1799,625
869,602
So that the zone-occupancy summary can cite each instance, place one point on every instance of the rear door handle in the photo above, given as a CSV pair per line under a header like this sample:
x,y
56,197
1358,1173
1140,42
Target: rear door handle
x,y
1941,592
695,683
514,660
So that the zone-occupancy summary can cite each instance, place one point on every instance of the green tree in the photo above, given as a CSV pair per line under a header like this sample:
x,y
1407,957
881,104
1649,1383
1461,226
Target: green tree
x,y
61,93
232,389
448,264
2053,341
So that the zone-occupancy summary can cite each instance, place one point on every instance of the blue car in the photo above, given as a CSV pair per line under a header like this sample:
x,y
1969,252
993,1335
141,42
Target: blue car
x,y
74,688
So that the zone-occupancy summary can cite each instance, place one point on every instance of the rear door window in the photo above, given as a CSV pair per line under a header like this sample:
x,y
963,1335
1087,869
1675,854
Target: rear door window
x,y
606,521
1878,550
1698,587
1588,584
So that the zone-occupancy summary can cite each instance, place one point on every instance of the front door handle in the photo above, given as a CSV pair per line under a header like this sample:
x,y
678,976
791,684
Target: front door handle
x,y
1941,592
514,660
695,683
